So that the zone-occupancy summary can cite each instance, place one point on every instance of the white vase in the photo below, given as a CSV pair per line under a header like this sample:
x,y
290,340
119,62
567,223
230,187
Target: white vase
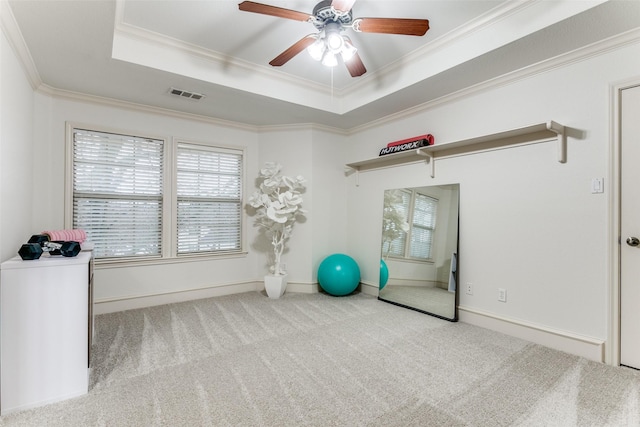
x,y
275,285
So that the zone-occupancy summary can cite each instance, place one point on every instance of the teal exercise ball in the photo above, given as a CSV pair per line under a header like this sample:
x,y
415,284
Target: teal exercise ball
x,y
339,274
384,274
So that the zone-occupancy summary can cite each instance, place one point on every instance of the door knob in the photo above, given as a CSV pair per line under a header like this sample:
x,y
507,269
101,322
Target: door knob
x,y
633,241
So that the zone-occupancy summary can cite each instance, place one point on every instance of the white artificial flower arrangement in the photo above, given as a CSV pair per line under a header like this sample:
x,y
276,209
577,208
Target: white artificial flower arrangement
x,y
278,206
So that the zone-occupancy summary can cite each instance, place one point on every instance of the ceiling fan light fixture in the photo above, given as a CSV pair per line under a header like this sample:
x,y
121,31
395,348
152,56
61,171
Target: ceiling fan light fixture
x,y
334,42
317,49
333,38
348,50
329,59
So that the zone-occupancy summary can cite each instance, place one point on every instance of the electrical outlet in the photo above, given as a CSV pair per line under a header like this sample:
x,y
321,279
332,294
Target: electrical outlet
x,y
502,295
469,288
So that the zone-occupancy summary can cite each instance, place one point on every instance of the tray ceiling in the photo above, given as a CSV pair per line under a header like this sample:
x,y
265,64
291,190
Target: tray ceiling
x,y
136,51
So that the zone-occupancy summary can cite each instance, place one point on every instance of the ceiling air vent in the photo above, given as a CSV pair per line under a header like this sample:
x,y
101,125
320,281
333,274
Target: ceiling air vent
x,y
186,94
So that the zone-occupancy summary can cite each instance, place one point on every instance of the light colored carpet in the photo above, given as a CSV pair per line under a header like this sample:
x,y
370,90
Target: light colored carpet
x,y
317,360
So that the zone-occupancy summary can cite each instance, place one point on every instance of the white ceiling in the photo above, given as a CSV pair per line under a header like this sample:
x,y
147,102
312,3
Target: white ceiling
x,y
135,50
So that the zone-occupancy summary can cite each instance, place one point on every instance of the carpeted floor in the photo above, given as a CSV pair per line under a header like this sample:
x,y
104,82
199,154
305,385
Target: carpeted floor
x,y
317,360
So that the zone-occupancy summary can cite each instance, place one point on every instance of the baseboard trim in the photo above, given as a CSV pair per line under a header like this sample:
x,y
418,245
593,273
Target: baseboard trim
x,y
369,288
303,288
587,347
111,305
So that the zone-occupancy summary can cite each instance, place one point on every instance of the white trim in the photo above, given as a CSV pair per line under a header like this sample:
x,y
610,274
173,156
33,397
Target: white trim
x,y
590,348
581,54
134,32
131,106
13,34
301,127
612,355
302,288
443,43
370,288
612,43
112,305
137,262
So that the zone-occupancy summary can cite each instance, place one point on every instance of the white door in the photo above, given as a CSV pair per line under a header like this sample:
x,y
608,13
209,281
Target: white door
x,y
630,228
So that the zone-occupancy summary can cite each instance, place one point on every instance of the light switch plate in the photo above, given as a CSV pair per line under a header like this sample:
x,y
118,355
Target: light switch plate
x,y
597,185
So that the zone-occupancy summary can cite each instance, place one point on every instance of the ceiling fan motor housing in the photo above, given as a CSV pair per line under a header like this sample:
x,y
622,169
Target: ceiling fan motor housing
x,y
324,14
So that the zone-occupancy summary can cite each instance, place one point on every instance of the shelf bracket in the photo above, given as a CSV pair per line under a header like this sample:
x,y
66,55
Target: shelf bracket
x,y
559,130
429,159
348,170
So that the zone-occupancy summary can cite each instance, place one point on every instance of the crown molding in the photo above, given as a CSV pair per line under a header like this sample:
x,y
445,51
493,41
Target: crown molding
x,y
301,127
444,42
132,106
225,61
595,49
16,41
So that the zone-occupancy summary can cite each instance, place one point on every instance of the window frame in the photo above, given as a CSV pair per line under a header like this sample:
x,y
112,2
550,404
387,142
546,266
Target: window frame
x,y
169,210
406,256
174,195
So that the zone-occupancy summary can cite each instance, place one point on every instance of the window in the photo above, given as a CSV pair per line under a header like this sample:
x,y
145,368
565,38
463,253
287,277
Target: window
x,y
120,196
418,212
117,192
423,226
209,199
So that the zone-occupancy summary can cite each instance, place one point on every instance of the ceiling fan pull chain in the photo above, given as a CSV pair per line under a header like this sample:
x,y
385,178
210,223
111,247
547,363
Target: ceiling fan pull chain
x,y
331,84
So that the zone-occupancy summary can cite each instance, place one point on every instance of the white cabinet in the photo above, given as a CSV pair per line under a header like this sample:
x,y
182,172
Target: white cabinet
x,y
44,330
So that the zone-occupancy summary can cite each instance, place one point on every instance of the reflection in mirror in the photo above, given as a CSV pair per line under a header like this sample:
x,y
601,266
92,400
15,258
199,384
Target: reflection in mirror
x,y
418,265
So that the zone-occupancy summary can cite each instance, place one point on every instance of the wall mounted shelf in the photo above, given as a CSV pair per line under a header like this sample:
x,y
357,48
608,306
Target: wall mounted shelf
x,y
536,132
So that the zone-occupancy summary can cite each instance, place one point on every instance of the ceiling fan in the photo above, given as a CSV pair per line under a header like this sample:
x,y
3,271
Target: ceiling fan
x,y
331,18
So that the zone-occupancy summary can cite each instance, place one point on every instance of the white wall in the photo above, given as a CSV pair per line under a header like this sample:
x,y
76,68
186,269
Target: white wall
x,y
329,202
527,223
17,169
317,155
182,280
312,153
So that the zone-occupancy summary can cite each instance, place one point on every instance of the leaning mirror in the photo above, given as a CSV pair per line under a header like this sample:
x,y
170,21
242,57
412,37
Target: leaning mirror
x,y
418,264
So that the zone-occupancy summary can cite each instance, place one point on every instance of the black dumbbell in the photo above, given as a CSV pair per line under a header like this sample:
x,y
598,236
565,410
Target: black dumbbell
x,y
68,249
39,243
30,251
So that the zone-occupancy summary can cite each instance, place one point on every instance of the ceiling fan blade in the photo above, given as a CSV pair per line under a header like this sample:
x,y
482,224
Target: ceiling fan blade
x,y
295,49
265,9
409,27
343,5
355,66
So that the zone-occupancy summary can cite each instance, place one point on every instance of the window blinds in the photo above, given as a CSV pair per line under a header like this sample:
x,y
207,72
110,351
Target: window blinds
x,y
209,194
117,192
419,211
423,226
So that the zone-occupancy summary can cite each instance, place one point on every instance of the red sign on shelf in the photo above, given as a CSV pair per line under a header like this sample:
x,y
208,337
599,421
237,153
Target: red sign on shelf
x,y
407,144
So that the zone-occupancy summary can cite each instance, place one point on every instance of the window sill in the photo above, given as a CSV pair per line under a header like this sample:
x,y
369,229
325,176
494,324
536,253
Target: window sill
x,y
101,264
411,260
